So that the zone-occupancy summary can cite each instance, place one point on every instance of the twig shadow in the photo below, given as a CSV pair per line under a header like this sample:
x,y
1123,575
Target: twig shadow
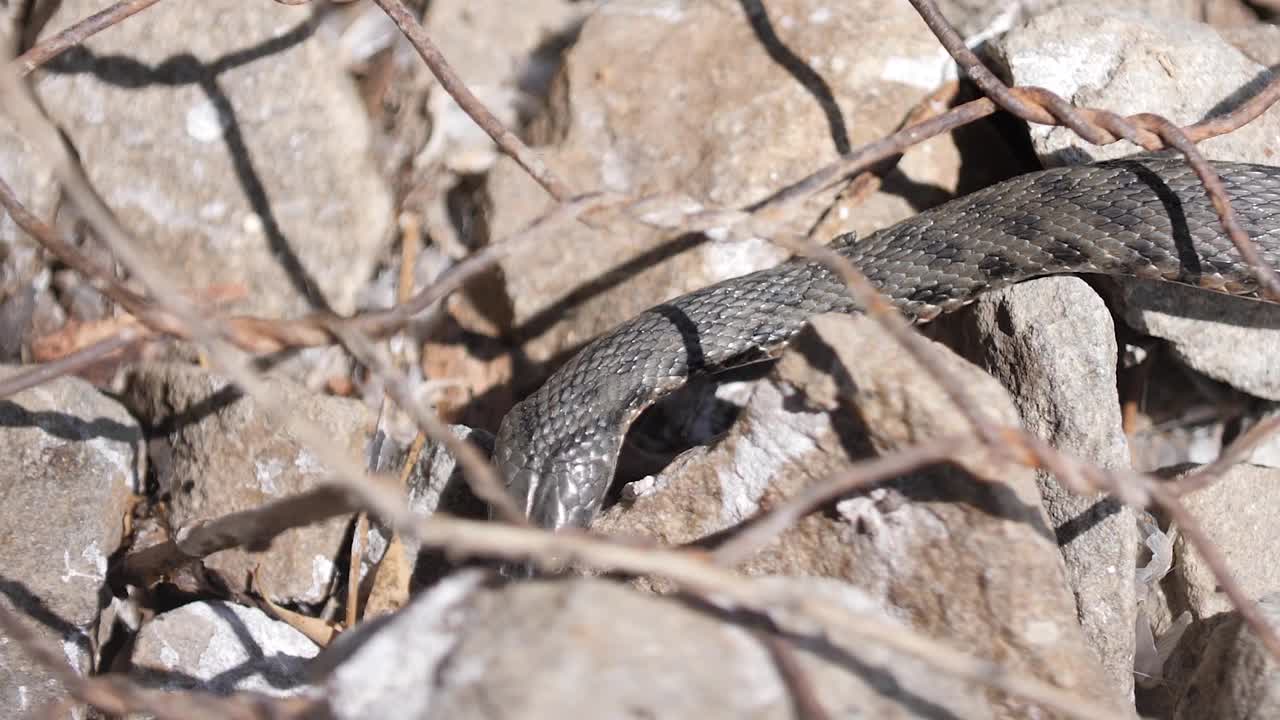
x,y
184,69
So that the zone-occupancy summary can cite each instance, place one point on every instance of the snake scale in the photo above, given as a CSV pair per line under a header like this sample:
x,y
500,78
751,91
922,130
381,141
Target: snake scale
x,y
1141,217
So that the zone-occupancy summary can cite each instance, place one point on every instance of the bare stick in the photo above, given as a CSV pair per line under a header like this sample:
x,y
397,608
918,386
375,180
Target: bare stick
x,y
449,80
78,33
34,375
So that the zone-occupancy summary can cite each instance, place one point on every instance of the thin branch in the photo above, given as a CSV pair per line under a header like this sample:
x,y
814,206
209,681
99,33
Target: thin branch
x,y
34,375
78,33
1101,127
762,529
480,473
449,80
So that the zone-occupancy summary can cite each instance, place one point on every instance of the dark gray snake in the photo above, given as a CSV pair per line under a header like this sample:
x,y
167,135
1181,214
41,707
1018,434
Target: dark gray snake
x,y
1144,217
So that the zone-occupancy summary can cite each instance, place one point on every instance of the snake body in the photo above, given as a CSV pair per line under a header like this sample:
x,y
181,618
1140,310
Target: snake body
x,y
1143,217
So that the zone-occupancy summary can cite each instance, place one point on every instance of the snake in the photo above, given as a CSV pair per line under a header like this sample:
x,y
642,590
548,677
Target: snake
x,y
1145,216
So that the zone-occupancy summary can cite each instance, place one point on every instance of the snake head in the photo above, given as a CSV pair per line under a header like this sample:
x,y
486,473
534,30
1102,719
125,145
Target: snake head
x,y
561,485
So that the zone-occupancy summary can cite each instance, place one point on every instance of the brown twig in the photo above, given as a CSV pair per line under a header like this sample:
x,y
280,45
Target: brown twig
x,y
480,474
44,372
254,529
118,695
449,80
78,33
1236,452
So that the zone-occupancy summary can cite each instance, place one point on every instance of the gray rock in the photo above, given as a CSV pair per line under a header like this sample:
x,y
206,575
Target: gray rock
x,y
1052,343
1259,41
236,154
221,647
546,649
72,461
707,104
959,559
1240,512
1233,340
1128,60
216,452
1236,678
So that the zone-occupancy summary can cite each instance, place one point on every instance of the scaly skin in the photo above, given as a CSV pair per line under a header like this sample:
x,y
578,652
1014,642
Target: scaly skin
x,y
1143,217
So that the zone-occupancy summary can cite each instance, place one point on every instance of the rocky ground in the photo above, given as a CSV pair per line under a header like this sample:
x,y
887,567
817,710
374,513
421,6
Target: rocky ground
x,y
276,159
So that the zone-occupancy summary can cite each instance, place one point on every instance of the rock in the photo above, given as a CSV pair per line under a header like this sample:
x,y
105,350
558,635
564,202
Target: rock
x,y
1207,331
721,103
73,459
1052,343
236,155
1259,42
221,647
959,559
1236,678
217,452
1129,61
546,649
1239,513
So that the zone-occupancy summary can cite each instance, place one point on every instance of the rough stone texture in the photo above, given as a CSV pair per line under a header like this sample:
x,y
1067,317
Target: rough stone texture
x,y
969,562
217,452
237,154
71,463
1052,343
1233,340
221,647
1236,678
1259,41
1240,512
549,649
706,103
1130,61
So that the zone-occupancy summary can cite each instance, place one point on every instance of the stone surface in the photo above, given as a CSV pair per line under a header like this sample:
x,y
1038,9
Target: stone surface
x,y
1240,512
547,649
72,461
1052,343
1233,340
216,452
722,102
221,647
237,155
1236,677
1129,61
1259,41
972,563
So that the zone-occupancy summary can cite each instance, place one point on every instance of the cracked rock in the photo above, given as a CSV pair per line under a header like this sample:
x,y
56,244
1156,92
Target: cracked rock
x,y
236,154
969,562
546,649
221,647
217,452
72,465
